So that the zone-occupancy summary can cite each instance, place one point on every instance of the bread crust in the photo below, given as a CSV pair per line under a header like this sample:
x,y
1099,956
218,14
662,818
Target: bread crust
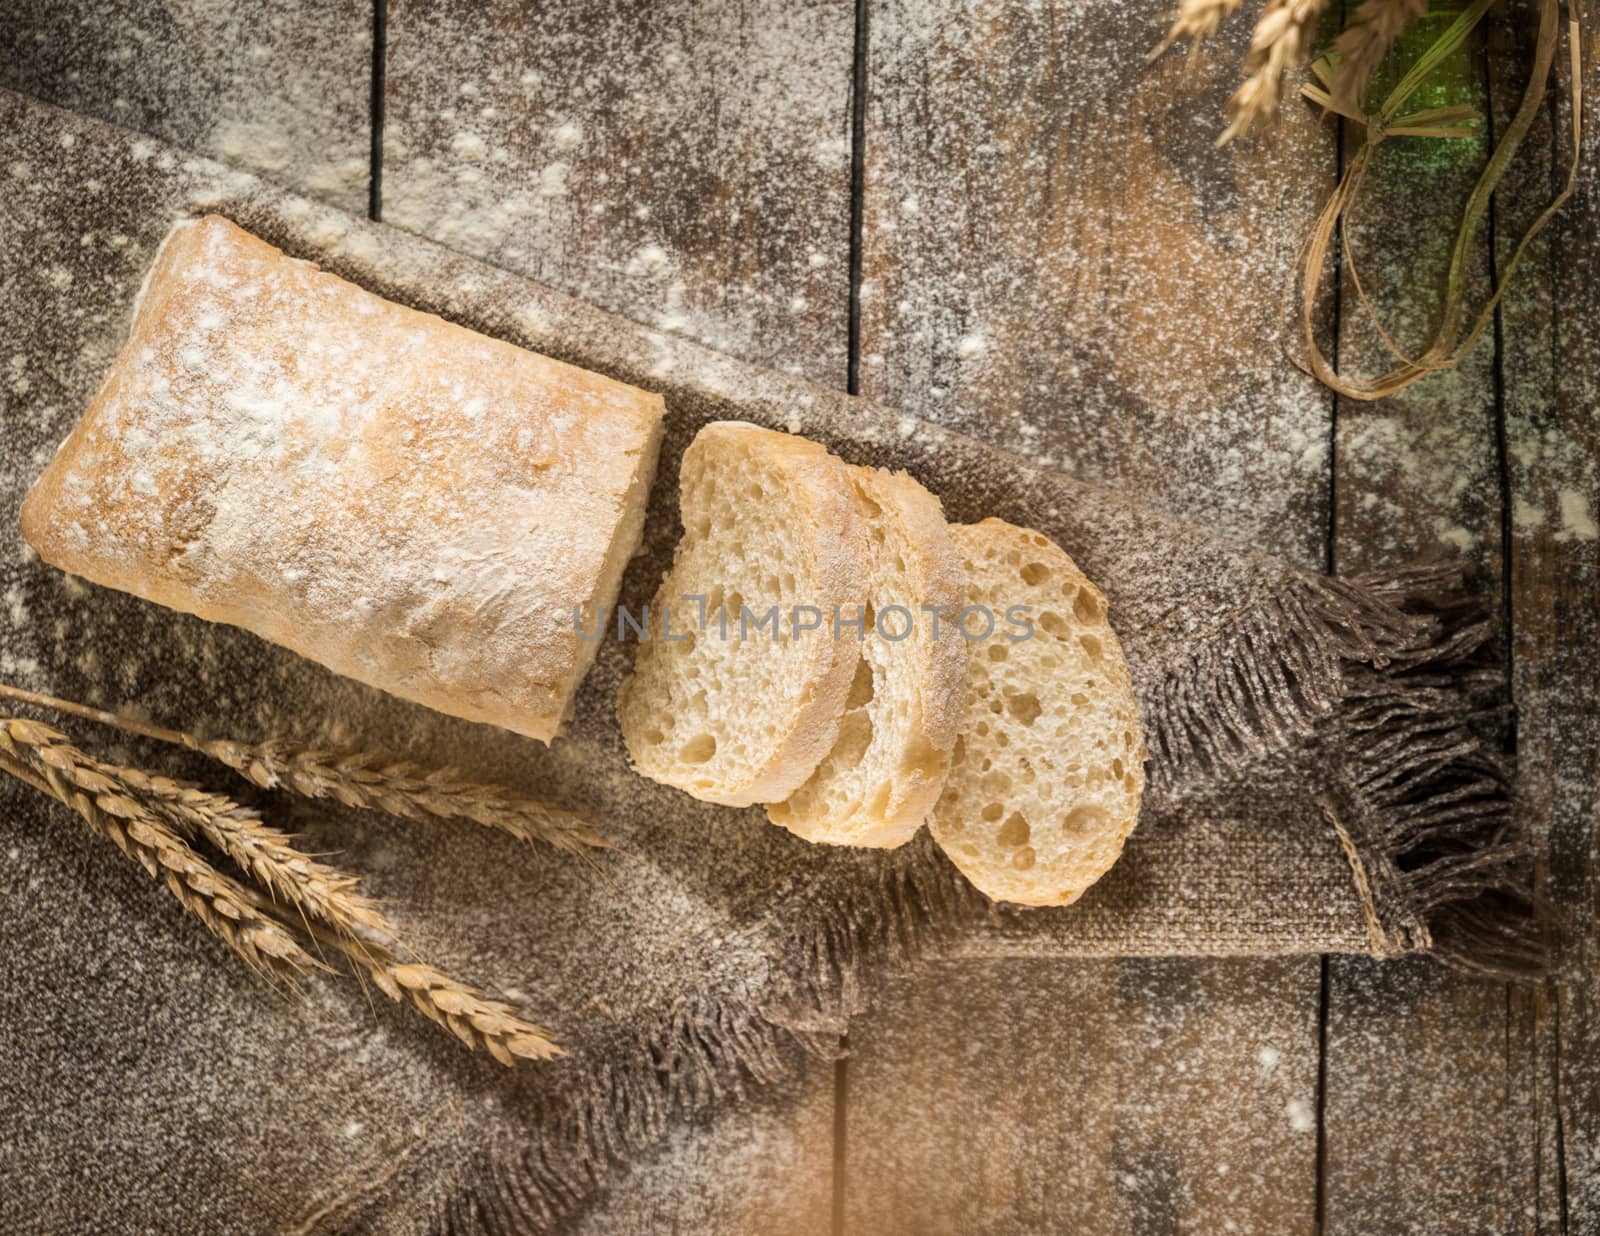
x,y
407,502
835,544
934,670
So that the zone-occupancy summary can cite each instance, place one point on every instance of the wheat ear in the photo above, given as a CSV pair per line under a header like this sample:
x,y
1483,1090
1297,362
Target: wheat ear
x,y
1197,20
466,1012
1365,42
145,813
360,930
1281,39
41,758
263,852
371,780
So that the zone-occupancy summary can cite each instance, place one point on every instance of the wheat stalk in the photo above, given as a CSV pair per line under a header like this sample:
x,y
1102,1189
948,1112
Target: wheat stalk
x,y
372,780
39,757
144,814
1365,42
1281,39
1197,20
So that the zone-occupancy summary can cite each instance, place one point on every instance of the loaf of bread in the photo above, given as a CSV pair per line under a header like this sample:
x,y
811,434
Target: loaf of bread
x,y
729,702
1047,775
403,500
887,767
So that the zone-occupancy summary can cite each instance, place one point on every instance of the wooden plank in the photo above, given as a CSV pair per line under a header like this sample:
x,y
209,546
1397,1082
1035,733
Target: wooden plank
x,y
1057,260
282,89
1049,235
1552,387
686,165
1417,1139
1111,1096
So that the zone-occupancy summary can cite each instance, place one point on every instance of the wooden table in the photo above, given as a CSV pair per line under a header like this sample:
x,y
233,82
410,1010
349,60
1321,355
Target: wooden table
x,y
999,217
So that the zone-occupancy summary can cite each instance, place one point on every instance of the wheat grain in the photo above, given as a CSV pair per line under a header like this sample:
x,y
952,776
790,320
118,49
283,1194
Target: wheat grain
x,y
42,758
1281,39
1197,20
371,780
1365,42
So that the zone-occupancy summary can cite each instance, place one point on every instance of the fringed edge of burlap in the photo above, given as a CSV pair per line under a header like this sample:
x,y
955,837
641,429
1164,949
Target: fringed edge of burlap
x,y
712,1046
1442,860
1424,812
1264,685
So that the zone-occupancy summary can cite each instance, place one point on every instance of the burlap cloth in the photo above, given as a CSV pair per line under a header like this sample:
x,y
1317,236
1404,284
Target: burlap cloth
x,y
1316,785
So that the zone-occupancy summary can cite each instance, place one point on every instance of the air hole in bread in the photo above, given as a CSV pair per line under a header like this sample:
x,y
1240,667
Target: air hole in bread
x,y
1014,831
1081,820
861,686
1024,707
998,652
995,782
1035,573
1091,646
1023,859
1117,769
698,749
654,737
1054,624
1079,699
1086,607
993,812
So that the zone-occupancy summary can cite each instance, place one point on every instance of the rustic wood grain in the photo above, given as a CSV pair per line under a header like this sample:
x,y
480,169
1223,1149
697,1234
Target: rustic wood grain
x,y
1551,324
282,89
685,165
1046,1096
1415,1141
1056,259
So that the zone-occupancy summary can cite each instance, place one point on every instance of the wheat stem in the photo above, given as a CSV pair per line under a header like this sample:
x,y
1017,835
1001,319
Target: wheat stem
x,y
371,780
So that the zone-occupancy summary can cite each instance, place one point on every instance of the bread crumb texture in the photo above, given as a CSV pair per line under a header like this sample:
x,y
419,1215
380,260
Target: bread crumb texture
x,y
743,716
1046,777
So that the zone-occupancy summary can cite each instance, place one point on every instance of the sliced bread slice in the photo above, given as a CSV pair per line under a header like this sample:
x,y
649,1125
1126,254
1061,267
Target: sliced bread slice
x,y
888,766
1047,774
740,713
